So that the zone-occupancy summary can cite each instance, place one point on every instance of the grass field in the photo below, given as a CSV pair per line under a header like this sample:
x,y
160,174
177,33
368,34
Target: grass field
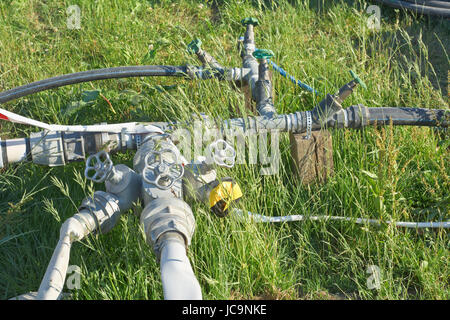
x,y
399,174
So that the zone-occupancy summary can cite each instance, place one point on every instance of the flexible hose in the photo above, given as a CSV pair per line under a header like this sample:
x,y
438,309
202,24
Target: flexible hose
x,y
434,8
261,218
130,127
431,3
409,116
91,75
53,282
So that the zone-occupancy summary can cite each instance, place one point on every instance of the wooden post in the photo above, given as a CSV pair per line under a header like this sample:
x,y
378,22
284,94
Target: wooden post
x,y
313,157
249,103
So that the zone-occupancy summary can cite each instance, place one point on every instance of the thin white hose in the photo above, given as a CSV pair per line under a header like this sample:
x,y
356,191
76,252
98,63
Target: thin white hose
x,y
129,127
261,218
53,282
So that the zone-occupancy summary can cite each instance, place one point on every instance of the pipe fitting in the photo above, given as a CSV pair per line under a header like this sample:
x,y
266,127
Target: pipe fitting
x,y
164,215
357,116
47,148
77,226
156,182
104,207
125,184
196,179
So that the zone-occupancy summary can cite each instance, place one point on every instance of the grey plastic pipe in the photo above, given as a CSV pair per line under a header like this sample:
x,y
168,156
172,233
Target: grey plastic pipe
x,y
17,150
53,282
409,116
178,278
13,150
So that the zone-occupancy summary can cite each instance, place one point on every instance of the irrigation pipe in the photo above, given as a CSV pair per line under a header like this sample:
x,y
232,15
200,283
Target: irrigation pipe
x,y
129,127
247,215
92,75
434,8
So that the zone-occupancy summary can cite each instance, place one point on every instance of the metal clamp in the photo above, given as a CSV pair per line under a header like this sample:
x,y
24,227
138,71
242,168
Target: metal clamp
x,y
223,156
163,170
138,141
308,125
102,168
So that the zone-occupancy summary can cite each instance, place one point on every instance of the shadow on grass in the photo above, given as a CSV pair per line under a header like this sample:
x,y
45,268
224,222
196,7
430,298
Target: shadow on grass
x,y
425,41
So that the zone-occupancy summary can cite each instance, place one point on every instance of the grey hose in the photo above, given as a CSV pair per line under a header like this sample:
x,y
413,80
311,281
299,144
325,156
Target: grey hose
x,y
92,75
431,3
434,8
409,116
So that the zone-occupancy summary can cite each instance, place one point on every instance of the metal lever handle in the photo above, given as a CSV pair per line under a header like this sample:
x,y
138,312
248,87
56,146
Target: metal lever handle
x,y
222,153
102,168
162,169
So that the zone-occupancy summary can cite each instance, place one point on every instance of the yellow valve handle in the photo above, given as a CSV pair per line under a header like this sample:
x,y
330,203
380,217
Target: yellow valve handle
x,y
221,196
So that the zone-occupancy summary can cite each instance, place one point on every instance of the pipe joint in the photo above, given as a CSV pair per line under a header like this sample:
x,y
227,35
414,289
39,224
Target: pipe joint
x,y
104,207
164,215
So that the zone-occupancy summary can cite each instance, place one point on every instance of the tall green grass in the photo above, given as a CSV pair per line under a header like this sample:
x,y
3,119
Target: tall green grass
x,y
390,173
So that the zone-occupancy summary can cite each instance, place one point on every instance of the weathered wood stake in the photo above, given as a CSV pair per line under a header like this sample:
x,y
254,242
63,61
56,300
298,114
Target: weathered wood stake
x,y
313,157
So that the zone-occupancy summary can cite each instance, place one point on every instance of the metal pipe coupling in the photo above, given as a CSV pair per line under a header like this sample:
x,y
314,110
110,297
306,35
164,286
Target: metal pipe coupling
x,y
103,207
164,215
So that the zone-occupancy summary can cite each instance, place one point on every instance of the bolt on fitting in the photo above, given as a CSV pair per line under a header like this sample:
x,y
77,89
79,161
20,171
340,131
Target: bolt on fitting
x,y
104,207
167,215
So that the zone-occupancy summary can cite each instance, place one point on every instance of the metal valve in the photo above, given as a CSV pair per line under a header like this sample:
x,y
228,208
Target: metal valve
x,y
165,172
222,153
102,168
